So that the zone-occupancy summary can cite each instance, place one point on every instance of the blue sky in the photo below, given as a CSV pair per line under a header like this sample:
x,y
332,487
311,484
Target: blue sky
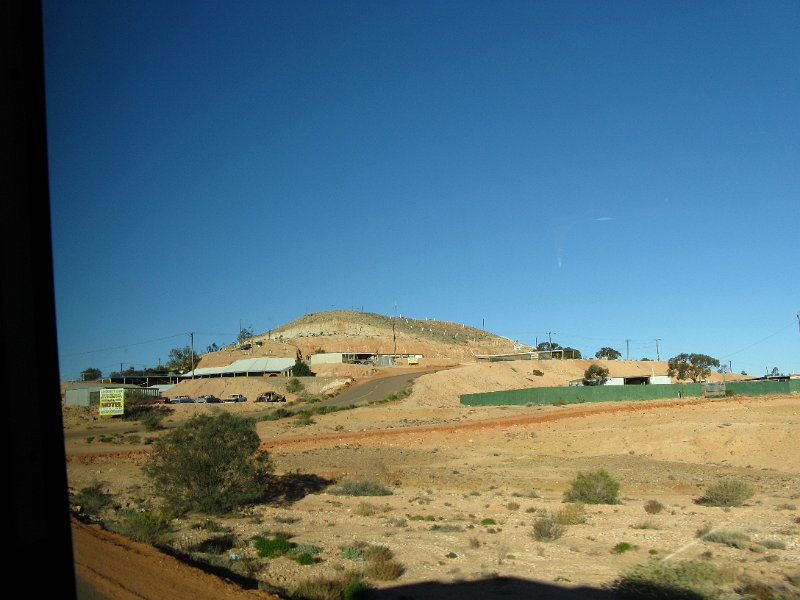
x,y
607,171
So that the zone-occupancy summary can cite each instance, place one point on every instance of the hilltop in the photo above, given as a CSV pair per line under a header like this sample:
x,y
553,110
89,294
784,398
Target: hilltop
x,y
354,331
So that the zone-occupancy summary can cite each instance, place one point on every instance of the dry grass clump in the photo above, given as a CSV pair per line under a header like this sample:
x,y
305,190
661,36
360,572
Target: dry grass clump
x,y
330,588
365,487
692,580
380,563
730,537
547,529
572,514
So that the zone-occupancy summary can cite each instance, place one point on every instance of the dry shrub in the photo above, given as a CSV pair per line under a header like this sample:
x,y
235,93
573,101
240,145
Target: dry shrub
x,y
728,492
572,514
327,588
546,529
653,507
383,569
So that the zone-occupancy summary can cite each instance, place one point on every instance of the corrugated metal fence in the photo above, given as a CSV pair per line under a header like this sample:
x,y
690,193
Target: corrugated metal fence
x,y
577,394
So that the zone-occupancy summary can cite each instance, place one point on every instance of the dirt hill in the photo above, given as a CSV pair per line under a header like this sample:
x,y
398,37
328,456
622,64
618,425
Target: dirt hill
x,y
353,331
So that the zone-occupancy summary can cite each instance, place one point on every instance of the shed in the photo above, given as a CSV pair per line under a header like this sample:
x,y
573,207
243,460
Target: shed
x,y
88,393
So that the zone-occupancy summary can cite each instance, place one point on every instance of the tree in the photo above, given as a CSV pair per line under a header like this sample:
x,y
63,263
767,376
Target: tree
x,y
209,464
595,375
91,374
545,346
180,359
607,353
212,348
568,352
691,366
775,372
245,334
301,369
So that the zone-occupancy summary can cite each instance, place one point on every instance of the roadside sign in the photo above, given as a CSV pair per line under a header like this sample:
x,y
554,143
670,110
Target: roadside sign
x,y
112,402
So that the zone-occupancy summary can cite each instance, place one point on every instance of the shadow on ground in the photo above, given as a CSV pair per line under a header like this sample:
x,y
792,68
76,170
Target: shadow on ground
x,y
285,489
489,589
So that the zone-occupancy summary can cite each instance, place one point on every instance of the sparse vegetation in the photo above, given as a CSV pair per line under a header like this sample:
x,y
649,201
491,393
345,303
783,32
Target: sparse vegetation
x,y
92,500
594,487
365,487
140,525
728,492
691,580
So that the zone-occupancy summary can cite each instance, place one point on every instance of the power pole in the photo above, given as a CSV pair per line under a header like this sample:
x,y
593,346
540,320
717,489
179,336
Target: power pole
x,y
627,349
191,339
658,356
550,340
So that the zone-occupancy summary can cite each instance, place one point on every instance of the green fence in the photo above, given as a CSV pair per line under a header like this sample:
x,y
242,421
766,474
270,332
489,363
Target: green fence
x,y
611,393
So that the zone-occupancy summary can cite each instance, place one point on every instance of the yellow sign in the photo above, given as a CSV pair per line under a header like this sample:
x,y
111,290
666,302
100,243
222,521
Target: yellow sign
x,y
112,402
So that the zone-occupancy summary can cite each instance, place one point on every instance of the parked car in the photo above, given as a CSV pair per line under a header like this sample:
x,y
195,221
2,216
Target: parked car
x,y
183,400
271,397
208,398
161,400
235,398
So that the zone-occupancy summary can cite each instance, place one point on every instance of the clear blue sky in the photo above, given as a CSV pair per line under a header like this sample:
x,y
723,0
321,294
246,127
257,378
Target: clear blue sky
x,y
607,171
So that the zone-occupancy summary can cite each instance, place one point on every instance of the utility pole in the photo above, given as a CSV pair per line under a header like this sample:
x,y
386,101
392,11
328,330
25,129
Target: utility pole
x,y
627,349
550,340
191,339
658,356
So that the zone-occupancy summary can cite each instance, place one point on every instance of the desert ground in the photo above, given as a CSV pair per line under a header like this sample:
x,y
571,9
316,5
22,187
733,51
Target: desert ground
x,y
467,485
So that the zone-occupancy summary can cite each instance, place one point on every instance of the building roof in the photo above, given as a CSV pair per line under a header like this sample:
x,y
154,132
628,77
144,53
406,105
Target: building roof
x,y
245,365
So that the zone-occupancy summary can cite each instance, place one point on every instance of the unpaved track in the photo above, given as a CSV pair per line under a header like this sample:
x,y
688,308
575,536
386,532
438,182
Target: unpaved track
x,y
117,568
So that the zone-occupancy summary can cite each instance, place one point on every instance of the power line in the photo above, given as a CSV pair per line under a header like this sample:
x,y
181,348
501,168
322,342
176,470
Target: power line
x,y
771,335
169,337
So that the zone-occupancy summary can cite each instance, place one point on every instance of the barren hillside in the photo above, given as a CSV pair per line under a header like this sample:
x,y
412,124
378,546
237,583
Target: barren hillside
x,y
353,331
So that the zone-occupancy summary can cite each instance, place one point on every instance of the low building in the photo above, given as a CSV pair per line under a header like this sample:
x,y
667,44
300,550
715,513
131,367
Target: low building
x,y
87,393
246,367
630,380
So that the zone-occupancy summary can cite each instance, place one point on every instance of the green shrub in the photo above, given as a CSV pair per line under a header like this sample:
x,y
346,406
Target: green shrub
x,y
356,591
351,553
272,547
692,580
143,525
92,500
365,487
210,464
594,487
305,559
728,492
303,419
488,521
547,529
622,547
294,386
151,419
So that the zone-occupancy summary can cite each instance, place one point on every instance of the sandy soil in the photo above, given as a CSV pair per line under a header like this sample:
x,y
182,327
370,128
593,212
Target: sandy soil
x,y
451,467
